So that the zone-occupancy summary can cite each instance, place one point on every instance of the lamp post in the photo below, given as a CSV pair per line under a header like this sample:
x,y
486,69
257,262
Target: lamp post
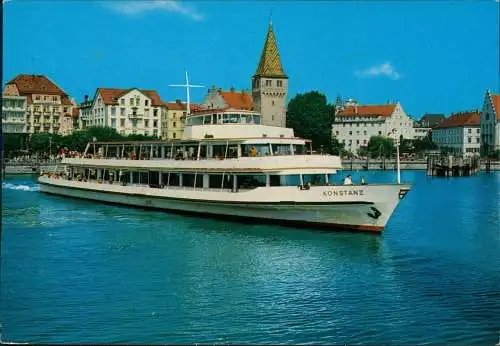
x,y
395,132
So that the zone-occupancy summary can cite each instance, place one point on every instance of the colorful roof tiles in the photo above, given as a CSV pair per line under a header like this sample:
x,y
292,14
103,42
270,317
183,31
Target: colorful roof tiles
x,y
36,84
461,119
110,95
495,102
237,100
270,63
367,110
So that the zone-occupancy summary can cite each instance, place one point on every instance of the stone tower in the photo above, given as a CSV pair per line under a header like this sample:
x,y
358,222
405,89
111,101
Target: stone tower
x,y
270,84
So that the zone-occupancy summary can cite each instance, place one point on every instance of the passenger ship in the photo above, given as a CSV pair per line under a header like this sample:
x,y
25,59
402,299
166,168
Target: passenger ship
x,y
228,164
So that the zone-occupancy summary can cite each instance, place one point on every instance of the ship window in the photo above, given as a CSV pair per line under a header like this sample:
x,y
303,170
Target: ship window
x,y
144,176
135,177
260,149
281,149
314,179
174,179
207,119
250,181
299,149
290,180
154,178
215,181
274,180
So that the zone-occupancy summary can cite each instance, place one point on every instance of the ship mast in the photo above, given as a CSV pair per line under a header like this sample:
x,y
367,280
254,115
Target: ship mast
x,y
187,86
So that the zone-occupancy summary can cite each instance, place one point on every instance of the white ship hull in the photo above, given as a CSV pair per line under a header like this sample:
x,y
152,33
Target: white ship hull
x,y
354,207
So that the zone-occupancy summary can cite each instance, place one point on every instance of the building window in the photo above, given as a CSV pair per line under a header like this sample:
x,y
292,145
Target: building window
x,y
269,82
113,111
146,123
469,139
337,133
174,135
279,83
137,101
380,133
131,101
155,123
65,109
487,116
122,102
113,123
364,132
174,124
470,130
122,111
477,131
350,133
122,122
155,112
146,102
272,102
54,98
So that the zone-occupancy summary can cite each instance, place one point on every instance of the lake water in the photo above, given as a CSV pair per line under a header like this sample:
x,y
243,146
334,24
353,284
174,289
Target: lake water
x,y
75,271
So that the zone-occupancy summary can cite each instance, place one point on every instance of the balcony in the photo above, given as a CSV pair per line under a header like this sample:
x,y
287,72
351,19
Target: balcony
x,y
136,116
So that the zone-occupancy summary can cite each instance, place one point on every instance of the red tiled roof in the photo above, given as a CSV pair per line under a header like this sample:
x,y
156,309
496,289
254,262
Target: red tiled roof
x,y
181,106
110,95
461,119
36,84
495,101
237,100
368,110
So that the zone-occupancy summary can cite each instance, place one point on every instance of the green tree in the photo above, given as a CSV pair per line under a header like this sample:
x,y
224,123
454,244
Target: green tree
x,y
45,143
311,117
337,148
13,142
379,146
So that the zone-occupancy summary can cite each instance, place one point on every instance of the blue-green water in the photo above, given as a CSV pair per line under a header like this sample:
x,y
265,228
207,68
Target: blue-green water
x,y
75,271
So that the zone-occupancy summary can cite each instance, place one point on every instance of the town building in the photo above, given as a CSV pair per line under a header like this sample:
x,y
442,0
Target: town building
x,y
232,99
270,84
490,123
14,114
431,120
420,132
423,128
174,119
128,111
460,133
354,124
47,105
84,113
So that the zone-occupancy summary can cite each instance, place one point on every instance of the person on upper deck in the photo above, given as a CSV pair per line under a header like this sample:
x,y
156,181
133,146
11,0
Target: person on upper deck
x,y
348,180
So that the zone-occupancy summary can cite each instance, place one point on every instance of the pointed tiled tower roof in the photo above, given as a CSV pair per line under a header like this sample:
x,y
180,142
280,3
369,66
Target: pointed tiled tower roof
x,y
270,63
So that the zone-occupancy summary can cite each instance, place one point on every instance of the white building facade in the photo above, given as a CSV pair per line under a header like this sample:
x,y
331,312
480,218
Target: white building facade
x,y
355,124
460,133
490,123
14,114
47,106
128,111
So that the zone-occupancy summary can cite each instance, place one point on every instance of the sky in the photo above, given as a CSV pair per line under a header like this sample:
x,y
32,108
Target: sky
x,y
432,56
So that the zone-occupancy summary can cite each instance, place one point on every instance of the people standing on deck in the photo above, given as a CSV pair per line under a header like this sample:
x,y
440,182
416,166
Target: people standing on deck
x,y
348,180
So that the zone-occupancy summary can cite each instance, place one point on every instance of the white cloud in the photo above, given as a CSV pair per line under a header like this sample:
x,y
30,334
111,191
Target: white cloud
x,y
6,1
136,7
385,69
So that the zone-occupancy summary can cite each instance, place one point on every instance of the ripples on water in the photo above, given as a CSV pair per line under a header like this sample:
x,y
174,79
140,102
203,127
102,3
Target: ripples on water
x,y
80,272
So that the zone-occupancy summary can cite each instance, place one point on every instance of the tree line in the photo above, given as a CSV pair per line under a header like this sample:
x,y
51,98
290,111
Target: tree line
x,y
51,143
311,116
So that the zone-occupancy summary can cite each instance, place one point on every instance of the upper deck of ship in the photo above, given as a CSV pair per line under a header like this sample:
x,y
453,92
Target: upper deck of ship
x,y
230,124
